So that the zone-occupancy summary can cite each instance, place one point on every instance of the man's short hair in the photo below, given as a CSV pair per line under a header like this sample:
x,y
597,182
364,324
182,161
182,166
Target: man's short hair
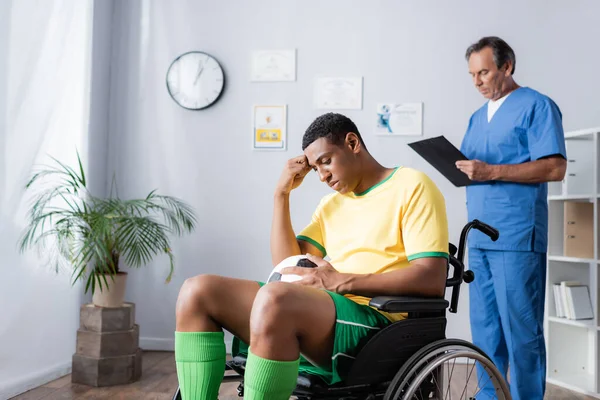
x,y
502,51
334,127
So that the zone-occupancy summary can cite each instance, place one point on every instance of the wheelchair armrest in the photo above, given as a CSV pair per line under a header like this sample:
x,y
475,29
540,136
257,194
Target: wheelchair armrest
x,y
408,304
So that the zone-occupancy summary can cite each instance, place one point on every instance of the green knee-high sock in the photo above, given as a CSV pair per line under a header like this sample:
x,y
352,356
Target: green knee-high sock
x,y
269,380
200,360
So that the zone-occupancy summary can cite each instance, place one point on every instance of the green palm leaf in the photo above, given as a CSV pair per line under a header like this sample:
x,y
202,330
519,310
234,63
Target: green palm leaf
x,y
70,227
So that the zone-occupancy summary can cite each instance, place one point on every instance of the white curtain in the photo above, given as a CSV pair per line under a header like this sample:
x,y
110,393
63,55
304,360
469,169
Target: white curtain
x,y
45,50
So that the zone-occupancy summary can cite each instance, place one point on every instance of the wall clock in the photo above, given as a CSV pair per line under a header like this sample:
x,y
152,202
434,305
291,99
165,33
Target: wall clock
x,y
195,80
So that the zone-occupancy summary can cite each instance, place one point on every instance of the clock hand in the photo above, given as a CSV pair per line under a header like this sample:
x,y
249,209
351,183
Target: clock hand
x,y
200,69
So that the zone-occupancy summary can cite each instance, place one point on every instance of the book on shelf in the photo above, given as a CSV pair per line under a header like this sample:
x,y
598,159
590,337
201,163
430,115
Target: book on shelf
x,y
572,300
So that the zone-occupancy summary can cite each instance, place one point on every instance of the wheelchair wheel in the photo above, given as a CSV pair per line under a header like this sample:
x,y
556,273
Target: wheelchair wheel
x,y
446,369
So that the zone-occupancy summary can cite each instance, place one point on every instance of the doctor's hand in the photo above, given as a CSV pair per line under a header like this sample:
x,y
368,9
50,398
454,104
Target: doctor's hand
x,y
293,174
476,170
324,276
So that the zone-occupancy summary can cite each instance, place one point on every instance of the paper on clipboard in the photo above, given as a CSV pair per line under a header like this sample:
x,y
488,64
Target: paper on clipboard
x,y
443,155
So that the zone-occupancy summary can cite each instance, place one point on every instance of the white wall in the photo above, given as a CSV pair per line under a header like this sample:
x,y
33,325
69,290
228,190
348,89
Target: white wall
x,y
406,51
4,32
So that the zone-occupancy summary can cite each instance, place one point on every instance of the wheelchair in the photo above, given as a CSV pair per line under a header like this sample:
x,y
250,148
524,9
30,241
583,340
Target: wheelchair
x,y
410,359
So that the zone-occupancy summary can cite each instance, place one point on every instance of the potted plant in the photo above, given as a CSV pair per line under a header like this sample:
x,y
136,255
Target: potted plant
x,y
91,235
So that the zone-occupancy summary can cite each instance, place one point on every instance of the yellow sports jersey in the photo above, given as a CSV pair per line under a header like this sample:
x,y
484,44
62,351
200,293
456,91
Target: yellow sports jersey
x,y
398,220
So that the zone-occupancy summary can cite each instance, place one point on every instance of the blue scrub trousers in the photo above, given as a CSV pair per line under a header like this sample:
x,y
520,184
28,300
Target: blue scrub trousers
x,y
507,318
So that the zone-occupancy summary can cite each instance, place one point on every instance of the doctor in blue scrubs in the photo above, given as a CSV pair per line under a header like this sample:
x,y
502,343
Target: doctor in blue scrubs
x,y
515,145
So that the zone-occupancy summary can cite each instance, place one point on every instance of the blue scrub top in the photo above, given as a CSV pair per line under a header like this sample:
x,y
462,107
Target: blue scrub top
x,y
526,127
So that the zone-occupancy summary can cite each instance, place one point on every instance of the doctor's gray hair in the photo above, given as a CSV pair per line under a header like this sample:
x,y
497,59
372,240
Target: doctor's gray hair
x,y
502,51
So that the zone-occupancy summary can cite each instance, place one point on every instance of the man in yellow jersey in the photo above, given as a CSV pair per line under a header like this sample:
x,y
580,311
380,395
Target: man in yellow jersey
x,y
386,233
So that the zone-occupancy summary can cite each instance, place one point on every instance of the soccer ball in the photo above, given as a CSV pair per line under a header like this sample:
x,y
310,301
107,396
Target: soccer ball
x,y
298,261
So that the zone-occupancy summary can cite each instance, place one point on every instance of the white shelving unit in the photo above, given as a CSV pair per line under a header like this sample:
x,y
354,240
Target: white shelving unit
x,y
573,346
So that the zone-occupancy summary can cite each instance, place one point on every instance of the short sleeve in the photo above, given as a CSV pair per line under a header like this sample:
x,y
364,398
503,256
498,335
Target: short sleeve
x,y
313,233
545,134
463,145
425,223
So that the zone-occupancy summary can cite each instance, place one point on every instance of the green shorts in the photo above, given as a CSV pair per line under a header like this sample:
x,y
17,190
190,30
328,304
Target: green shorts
x,y
355,325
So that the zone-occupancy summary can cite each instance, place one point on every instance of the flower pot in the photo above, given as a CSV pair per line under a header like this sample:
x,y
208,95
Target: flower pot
x,y
112,296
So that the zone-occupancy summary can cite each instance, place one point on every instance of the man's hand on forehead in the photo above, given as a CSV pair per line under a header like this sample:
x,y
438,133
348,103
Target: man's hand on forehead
x,y
294,172
302,160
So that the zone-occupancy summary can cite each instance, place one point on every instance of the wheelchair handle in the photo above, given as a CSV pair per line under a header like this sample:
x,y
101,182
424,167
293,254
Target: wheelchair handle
x,y
488,230
480,226
460,274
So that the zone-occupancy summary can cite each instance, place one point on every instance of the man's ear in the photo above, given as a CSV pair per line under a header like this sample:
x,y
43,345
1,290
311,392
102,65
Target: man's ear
x,y
508,65
352,142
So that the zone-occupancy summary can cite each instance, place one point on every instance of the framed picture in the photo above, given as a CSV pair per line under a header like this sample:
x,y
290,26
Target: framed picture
x,y
270,127
399,119
339,93
273,66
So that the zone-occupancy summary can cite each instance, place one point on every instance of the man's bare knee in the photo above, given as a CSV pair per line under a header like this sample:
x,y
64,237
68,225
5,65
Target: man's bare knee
x,y
287,318
273,310
195,295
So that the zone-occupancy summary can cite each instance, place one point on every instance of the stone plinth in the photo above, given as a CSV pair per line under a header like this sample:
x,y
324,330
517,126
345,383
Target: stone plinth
x,y
108,350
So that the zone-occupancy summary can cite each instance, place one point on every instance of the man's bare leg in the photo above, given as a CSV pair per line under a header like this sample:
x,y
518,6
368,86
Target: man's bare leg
x,y
287,319
206,304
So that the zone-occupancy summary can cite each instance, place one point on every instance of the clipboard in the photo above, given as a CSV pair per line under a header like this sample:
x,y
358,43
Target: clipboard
x,y
442,155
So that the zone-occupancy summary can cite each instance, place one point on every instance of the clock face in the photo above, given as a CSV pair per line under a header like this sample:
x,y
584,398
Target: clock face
x,y
195,80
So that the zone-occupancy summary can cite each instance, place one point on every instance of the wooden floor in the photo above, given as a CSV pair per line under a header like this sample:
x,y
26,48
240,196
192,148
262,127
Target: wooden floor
x,y
159,382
